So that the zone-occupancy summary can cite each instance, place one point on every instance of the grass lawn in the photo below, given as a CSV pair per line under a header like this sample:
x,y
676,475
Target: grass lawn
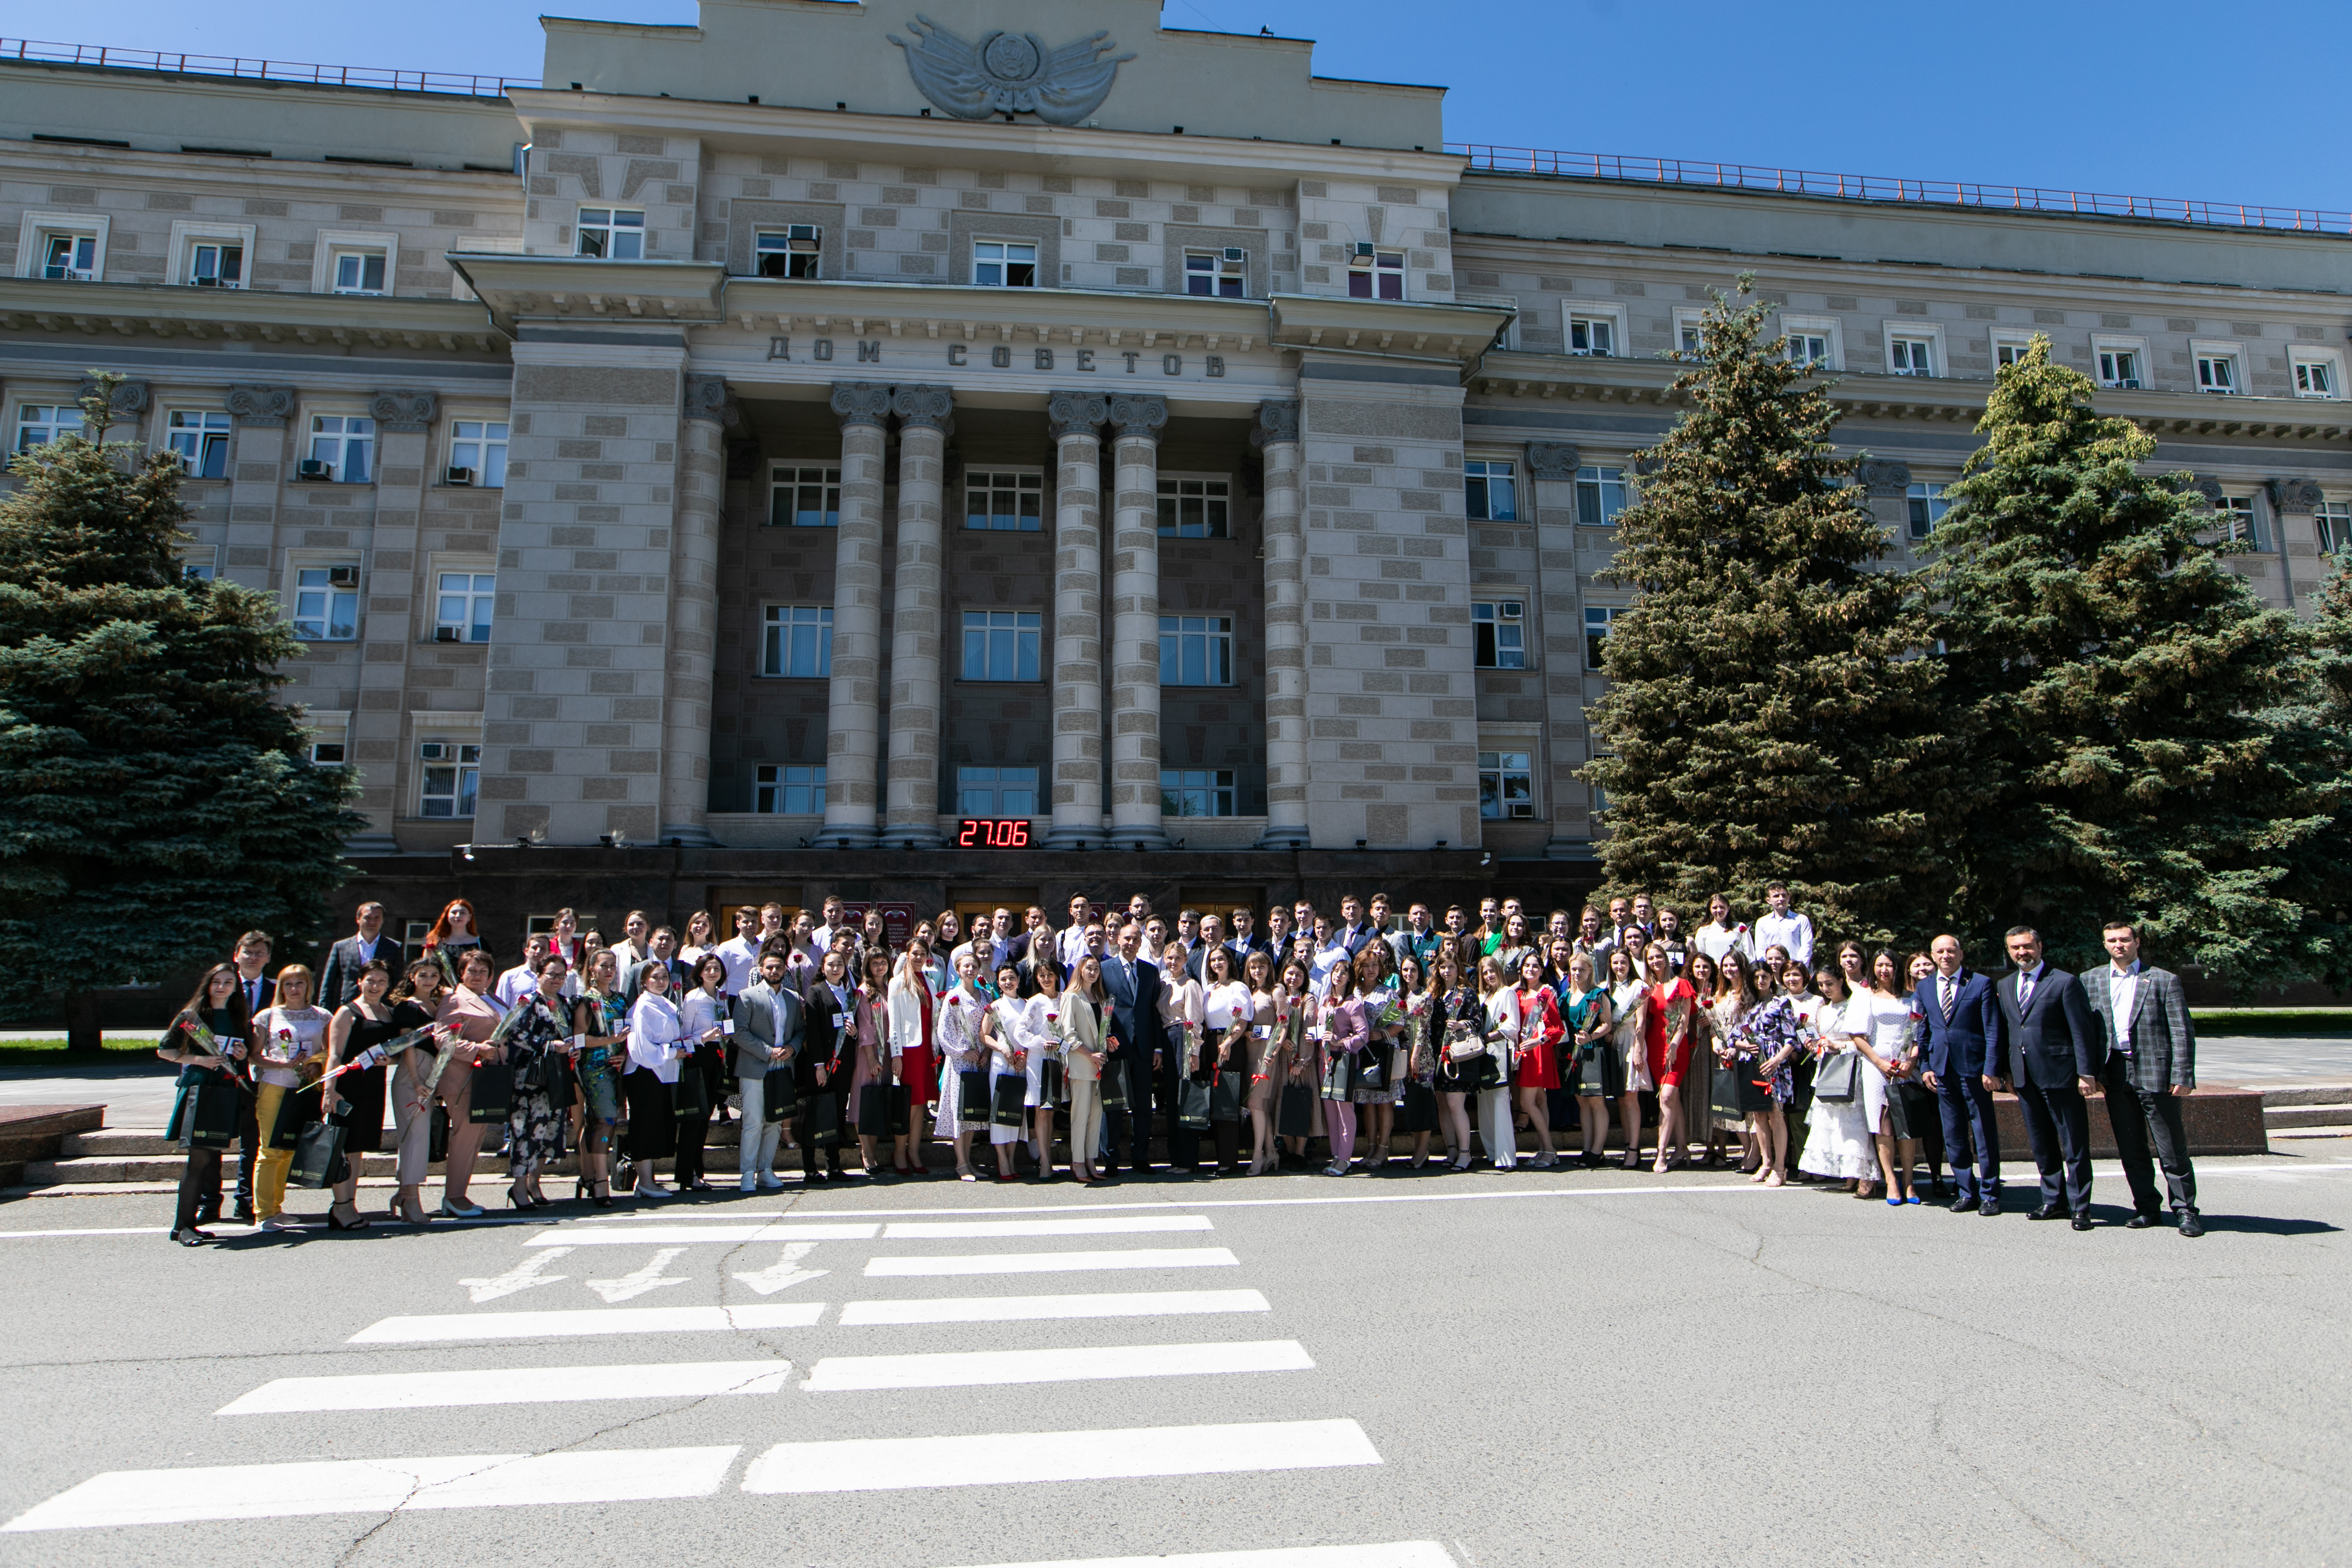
x,y
53,1053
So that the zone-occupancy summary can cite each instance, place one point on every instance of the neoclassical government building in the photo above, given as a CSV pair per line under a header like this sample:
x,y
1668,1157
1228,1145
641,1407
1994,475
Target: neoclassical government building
x,y
1017,447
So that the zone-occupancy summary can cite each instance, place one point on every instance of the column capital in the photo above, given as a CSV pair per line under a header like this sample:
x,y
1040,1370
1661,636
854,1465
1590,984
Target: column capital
x,y
861,402
1138,415
1884,477
2295,495
1076,413
923,407
261,405
1277,422
403,410
1551,460
706,399
130,397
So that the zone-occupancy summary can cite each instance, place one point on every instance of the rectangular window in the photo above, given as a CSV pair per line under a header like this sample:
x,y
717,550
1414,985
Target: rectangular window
x,y
200,564
799,644
2217,372
2235,514
788,252
612,234
1376,274
1911,356
479,448
1507,785
996,792
2316,378
200,440
1000,644
1189,792
38,424
1809,346
327,754
327,603
1003,264
1927,506
448,780
804,497
72,257
358,272
216,263
1593,335
462,605
1689,331
1499,629
1005,502
1600,496
2119,368
1490,490
1196,650
2334,521
1216,274
2010,349
343,448
1597,619
788,789
1195,509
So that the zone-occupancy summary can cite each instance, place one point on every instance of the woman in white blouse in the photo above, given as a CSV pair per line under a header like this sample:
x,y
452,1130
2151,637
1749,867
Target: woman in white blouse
x,y
1180,1023
1047,1051
913,1012
957,1031
1227,1010
1006,1035
1502,999
1837,1136
1886,1046
1629,1037
290,1048
658,1040
1081,1030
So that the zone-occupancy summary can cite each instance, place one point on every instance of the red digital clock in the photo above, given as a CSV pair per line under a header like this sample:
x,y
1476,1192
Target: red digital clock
x,y
992,833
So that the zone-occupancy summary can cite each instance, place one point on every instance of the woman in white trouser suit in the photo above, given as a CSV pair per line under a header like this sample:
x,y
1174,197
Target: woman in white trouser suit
x,y
1081,1028
1502,1037
958,1033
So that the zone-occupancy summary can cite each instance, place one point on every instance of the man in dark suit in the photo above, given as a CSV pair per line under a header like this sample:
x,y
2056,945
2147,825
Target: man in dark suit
x,y
1355,931
2050,1055
1962,1022
339,981
2149,1067
1137,1048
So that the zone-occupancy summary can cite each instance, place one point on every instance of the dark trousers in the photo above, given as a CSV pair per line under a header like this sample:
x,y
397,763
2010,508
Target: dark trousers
x,y
811,1155
1134,1124
248,1145
1964,1105
2058,1127
199,1184
693,1134
2141,1118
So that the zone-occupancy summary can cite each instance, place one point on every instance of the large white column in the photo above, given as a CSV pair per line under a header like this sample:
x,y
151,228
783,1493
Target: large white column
x,y
694,612
911,799
1275,434
853,743
1135,624
1076,421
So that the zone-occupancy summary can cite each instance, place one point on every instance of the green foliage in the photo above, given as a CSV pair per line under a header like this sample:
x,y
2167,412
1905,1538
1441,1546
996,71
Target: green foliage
x,y
1766,718
154,800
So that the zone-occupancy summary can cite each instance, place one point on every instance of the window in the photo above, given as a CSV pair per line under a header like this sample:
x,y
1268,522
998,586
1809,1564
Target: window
x,y
1927,506
1216,274
1188,791
200,562
1597,621
327,603
996,792
449,779
1490,490
2217,369
1507,785
38,424
216,263
200,440
1690,332
2235,516
1195,509
1499,629
328,753
1196,650
1593,335
1600,496
804,497
1811,341
343,448
1005,502
359,272
2334,521
462,605
480,447
799,643
788,252
1808,348
2316,376
1376,274
788,789
1911,356
1003,264
1000,645
2010,348
73,257
612,234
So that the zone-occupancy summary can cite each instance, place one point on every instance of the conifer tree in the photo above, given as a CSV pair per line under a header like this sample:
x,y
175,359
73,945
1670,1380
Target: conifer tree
x,y
1767,719
2317,736
2126,691
154,800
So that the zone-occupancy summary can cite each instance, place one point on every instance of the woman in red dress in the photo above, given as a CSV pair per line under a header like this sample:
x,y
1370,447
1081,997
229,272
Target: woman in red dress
x,y
1535,1071
912,1054
1673,1003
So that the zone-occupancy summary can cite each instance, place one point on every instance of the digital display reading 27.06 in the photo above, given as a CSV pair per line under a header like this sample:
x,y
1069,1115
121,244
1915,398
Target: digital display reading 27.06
x,y
992,833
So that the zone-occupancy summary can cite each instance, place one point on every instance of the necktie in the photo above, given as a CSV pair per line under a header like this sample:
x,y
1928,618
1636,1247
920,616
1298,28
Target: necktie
x,y
2025,989
1948,998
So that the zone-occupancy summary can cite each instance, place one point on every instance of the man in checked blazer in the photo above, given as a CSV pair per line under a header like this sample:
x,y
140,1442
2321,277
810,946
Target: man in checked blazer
x,y
2149,1065
2050,1051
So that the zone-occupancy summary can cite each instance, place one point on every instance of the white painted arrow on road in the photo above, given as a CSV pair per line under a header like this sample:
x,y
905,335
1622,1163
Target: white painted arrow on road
x,y
519,1278
649,1277
786,1272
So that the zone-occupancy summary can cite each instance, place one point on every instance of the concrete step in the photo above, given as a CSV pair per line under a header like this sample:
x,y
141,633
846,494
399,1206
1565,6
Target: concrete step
x,y
2308,1110
2308,1116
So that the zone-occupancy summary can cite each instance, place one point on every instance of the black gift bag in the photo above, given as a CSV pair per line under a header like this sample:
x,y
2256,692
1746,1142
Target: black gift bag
x,y
1114,1085
1051,1088
1420,1111
1226,1096
971,1098
687,1096
874,1110
493,1092
437,1137
1006,1108
1295,1116
296,1111
1192,1103
779,1095
1339,1076
820,1120
215,1107
318,1156
1723,1089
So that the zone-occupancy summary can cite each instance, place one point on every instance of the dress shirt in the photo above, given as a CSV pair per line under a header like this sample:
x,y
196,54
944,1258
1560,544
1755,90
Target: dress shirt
x,y
252,989
1072,945
2123,991
1793,930
513,985
654,1026
1714,940
741,957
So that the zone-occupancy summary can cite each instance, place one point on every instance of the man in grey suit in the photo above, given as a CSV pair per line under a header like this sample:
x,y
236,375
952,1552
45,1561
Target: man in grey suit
x,y
766,1032
2051,1056
2150,1066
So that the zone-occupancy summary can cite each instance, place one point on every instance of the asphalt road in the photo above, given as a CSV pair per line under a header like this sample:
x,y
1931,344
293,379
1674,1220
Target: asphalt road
x,y
1504,1369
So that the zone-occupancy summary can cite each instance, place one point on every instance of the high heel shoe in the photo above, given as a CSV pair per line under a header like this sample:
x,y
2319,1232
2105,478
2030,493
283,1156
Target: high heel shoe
x,y
603,1197
461,1210
355,1222
520,1201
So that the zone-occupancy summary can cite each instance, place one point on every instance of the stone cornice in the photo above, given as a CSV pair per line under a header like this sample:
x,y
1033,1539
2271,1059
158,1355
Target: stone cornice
x,y
248,315
1412,330
959,313
584,289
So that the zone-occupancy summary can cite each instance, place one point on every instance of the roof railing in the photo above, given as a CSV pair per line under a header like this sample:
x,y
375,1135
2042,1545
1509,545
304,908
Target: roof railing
x,y
1878,188
457,83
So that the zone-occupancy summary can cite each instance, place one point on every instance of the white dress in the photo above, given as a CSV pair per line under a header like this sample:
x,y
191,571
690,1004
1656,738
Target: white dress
x,y
1630,1038
1892,1024
955,1030
1040,1019
1837,1138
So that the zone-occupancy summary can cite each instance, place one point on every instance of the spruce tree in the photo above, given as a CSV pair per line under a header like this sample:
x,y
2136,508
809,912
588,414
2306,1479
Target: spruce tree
x,y
2316,736
154,800
1766,718
2125,689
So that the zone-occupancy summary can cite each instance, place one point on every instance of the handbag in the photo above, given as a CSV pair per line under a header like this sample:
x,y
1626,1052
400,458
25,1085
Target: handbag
x,y
1419,1112
1838,1078
1192,1103
1295,1116
1005,1102
318,1155
971,1098
1372,1068
625,1173
529,1072
493,1092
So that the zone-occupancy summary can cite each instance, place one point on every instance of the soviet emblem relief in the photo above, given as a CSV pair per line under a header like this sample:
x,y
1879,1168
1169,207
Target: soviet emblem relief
x,y
1010,73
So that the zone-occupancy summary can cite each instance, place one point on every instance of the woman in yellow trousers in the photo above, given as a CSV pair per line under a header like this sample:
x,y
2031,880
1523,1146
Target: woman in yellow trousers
x,y
290,1046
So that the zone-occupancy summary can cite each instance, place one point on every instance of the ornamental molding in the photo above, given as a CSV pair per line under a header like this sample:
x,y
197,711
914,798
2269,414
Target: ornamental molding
x,y
404,410
923,407
1551,460
1076,413
130,397
706,399
861,402
1883,477
1010,73
261,405
1138,416
1277,423
2296,495
2211,488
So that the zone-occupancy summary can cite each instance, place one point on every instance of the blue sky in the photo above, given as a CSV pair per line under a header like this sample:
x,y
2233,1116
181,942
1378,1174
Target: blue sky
x,y
2240,101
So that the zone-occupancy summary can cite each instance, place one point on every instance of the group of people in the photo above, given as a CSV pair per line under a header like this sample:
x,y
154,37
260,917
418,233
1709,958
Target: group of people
x,y
1461,1040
